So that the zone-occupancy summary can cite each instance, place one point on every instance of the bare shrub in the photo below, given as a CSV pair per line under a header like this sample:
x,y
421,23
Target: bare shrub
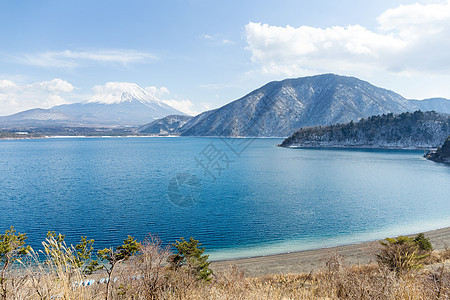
x,y
182,284
445,254
231,278
150,267
436,282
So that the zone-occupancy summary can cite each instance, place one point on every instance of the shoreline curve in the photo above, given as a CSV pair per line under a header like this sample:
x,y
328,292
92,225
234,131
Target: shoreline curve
x,y
310,260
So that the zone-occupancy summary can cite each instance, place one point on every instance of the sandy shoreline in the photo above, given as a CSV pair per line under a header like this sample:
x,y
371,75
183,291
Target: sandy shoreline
x,y
309,260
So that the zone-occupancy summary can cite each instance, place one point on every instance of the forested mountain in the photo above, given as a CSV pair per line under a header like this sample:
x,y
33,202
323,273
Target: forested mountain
x,y
406,130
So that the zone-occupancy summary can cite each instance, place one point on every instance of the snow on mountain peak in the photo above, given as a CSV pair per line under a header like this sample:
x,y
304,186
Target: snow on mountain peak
x,y
119,92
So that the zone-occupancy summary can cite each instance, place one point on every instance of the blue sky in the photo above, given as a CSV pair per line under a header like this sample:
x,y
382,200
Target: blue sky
x,y
200,54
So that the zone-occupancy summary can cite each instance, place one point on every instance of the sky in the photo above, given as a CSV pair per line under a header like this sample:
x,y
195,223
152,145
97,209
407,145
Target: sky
x,y
198,55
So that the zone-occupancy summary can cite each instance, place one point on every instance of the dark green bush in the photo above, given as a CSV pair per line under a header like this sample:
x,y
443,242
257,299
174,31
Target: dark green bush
x,y
423,243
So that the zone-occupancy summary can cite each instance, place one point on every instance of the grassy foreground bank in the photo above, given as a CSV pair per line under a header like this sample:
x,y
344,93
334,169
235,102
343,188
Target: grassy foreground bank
x,y
401,268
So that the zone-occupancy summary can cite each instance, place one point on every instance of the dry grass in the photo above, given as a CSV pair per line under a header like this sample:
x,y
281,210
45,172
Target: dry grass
x,y
147,276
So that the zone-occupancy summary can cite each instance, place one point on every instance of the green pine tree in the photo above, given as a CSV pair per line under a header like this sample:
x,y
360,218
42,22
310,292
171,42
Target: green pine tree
x,y
12,247
191,256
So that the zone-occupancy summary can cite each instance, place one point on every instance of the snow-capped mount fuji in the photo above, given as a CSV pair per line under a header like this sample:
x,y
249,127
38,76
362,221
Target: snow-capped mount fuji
x,y
119,104
118,92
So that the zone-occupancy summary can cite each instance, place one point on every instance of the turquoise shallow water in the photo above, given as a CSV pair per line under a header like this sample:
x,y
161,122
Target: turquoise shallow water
x,y
239,197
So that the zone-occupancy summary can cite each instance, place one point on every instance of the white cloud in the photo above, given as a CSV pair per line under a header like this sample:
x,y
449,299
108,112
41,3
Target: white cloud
x,y
217,40
185,106
416,20
410,39
207,37
157,92
163,94
72,59
54,86
227,42
43,94
7,84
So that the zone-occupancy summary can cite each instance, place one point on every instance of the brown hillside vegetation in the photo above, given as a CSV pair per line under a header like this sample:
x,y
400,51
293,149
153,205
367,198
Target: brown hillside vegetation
x,y
407,268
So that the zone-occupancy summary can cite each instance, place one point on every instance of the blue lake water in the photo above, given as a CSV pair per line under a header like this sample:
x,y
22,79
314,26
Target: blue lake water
x,y
239,197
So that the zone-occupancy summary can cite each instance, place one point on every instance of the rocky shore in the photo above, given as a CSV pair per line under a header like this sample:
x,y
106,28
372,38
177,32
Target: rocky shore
x,y
442,154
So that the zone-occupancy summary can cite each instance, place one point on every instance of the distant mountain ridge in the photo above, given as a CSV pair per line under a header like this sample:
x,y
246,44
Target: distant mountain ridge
x,y
406,130
276,109
441,105
281,107
37,117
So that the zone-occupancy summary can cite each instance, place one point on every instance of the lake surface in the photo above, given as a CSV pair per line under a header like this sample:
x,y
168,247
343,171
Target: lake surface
x,y
239,197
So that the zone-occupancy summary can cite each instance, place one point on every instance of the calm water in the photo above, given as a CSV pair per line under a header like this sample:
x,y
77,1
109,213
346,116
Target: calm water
x,y
248,196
